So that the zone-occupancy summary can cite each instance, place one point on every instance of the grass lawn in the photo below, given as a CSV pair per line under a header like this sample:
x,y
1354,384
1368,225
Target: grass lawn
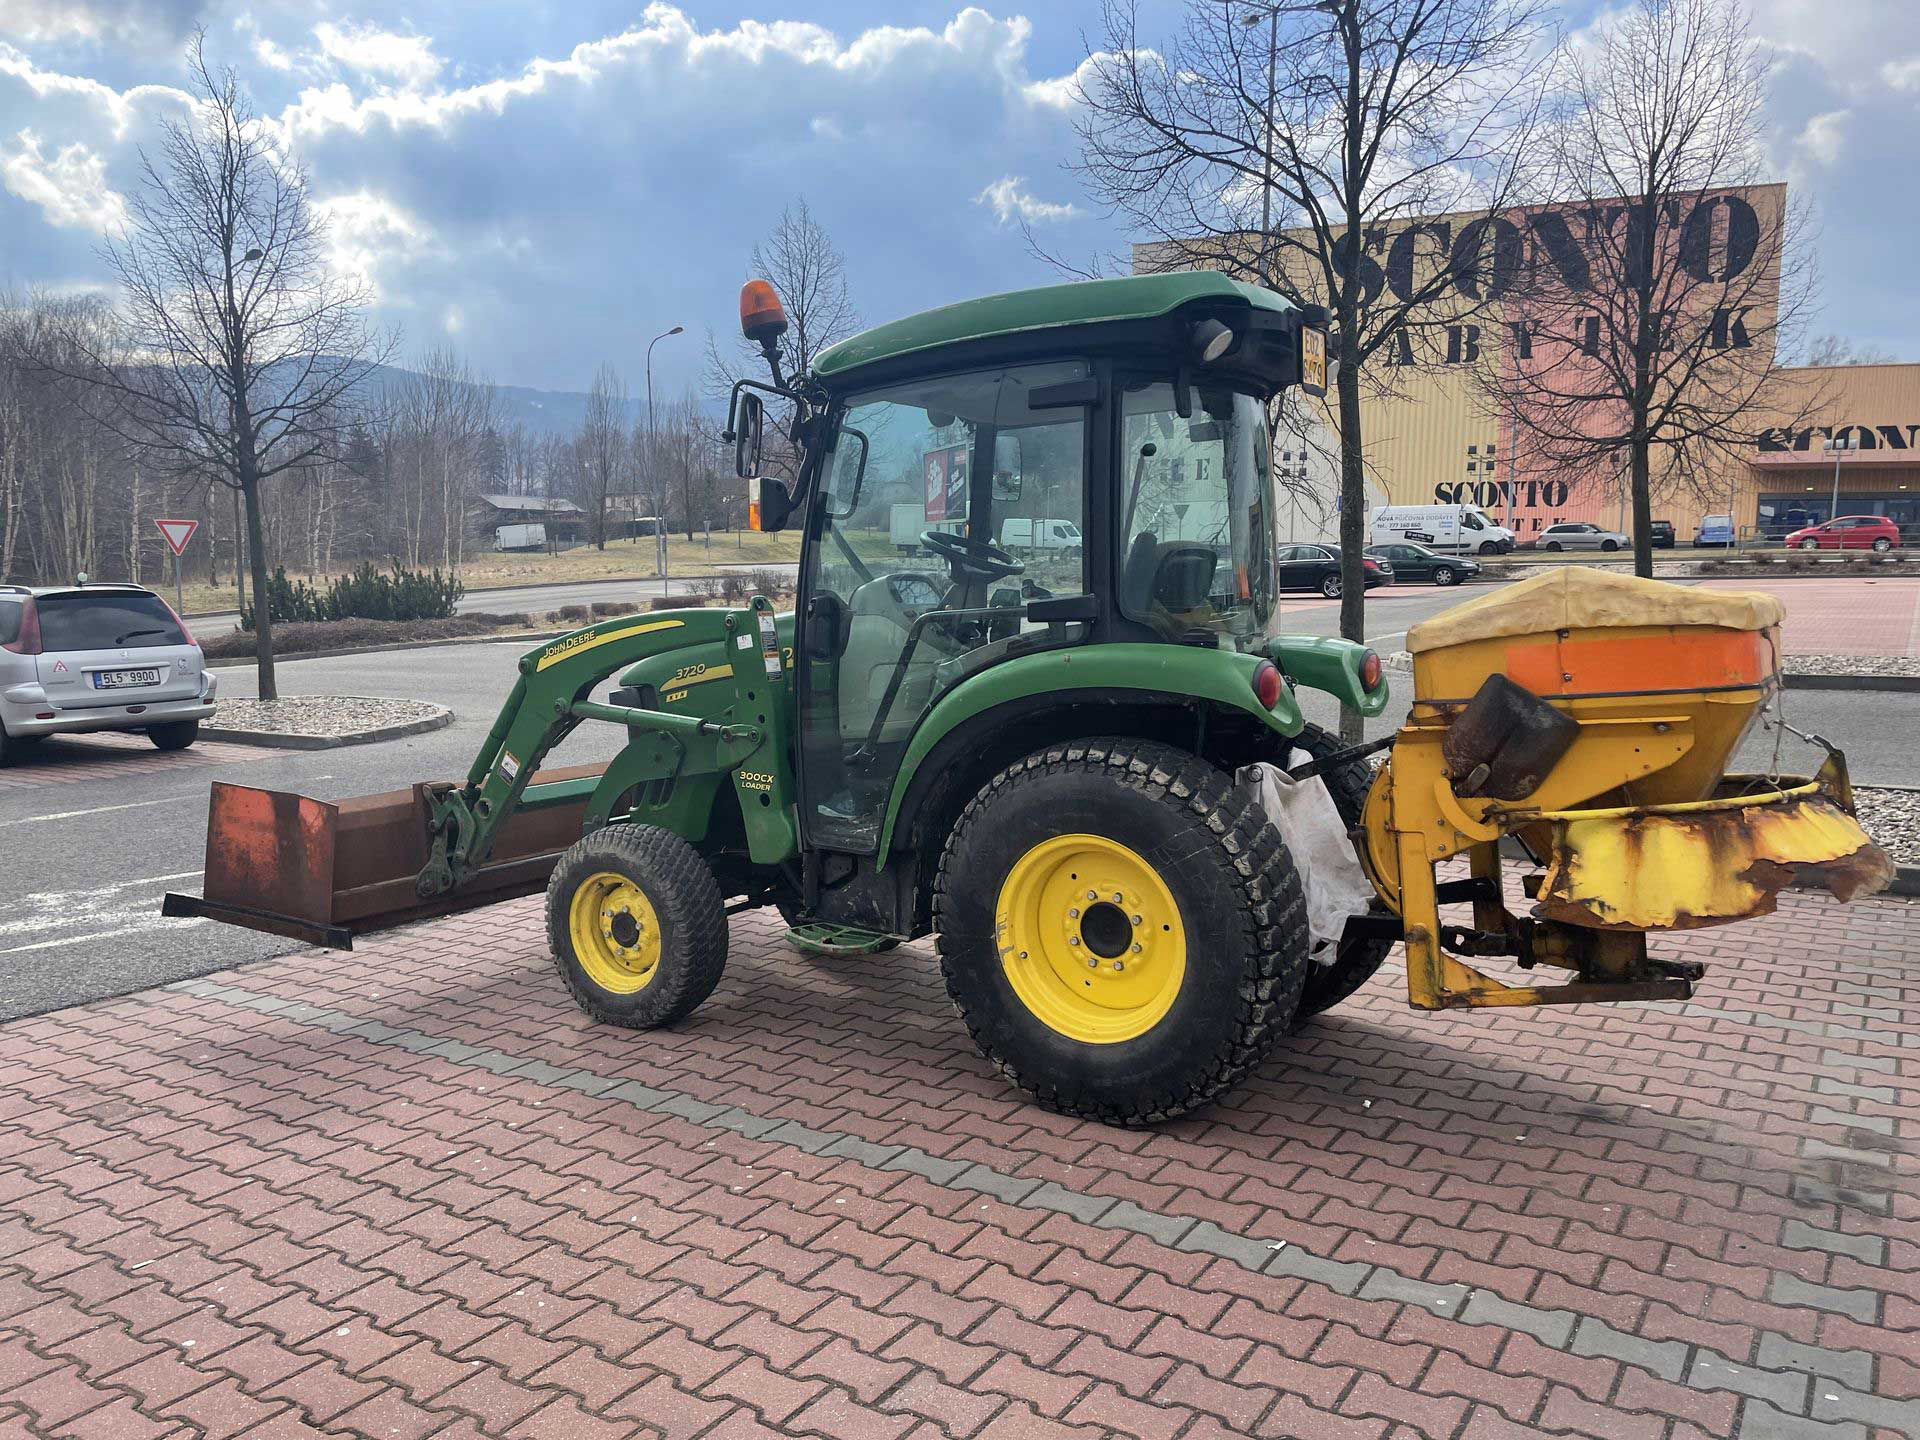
x,y
621,560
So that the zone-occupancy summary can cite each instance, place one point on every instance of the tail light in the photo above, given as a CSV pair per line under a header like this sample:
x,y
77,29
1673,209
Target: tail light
x,y
27,642
1267,684
1371,670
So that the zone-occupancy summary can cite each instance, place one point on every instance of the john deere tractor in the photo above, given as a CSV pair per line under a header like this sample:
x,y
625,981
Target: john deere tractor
x,y
1034,659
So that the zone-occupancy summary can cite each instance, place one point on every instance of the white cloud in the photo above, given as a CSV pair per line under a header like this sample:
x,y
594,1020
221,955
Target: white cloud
x,y
368,233
1902,74
1823,136
70,188
1011,201
407,60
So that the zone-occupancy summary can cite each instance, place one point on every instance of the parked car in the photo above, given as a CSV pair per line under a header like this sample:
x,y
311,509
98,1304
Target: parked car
x,y
1579,535
1714,530
1444,527
1317,567
1660,534
1848,532
80,658
1416,562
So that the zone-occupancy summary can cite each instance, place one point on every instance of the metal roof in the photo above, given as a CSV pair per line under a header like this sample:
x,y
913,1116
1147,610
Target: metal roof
x,y
529,503
1084,302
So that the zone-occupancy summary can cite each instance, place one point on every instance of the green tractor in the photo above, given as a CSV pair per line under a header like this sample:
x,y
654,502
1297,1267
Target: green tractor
x,y
1035,642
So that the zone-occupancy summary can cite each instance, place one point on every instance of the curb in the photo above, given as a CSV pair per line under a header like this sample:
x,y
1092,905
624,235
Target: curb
x,y
1901,684
275,740
532,637
1906,881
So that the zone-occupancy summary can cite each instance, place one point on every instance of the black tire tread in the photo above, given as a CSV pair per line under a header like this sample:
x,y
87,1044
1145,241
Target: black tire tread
x,y
1274,912
681,887
174,735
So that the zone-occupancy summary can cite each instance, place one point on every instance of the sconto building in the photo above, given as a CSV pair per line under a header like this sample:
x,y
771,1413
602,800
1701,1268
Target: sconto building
x,y
1435,435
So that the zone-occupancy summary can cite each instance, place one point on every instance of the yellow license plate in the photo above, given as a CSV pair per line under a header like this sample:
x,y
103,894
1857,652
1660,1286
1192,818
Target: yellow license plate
x,y
1313,361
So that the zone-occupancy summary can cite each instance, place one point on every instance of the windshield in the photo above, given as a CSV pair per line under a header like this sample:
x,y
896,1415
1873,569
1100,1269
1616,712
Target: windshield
x,y
1196,513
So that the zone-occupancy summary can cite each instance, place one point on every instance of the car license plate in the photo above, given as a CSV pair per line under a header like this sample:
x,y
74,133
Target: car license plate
x,y
121,679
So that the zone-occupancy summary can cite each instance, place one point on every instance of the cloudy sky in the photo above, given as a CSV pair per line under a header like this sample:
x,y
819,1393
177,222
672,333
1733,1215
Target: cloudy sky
x,y
548,183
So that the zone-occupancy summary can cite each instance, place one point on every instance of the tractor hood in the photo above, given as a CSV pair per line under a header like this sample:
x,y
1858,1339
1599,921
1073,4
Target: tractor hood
x,y
1141,312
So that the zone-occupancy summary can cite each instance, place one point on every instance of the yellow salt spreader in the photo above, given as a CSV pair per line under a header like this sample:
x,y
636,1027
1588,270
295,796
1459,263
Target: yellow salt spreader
x,y
1586,720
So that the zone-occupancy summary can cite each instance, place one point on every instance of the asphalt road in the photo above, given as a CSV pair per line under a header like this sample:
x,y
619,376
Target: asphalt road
x,y
92,832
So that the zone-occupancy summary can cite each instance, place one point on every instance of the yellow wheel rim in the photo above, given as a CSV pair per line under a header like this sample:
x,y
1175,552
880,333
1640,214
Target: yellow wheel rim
x,y
615,933
1091,939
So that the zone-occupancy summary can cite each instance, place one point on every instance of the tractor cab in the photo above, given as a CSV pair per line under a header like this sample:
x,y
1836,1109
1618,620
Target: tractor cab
x,y
1014,476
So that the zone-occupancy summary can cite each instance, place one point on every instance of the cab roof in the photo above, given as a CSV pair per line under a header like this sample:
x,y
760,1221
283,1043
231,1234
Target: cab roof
x,y
1032,312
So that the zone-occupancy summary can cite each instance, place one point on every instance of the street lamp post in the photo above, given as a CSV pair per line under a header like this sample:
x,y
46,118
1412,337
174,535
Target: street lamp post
x,y
1273,13
1837,447
653,466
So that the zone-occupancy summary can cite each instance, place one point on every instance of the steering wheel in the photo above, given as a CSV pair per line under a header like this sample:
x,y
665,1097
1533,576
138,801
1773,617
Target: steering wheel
x,y
974,557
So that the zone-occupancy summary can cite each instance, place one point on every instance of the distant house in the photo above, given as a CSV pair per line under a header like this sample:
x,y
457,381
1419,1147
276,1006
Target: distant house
x,y
630,516
565,522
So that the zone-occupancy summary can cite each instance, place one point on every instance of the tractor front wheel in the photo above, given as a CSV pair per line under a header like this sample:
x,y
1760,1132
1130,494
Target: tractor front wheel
x,y
637,926
1121,929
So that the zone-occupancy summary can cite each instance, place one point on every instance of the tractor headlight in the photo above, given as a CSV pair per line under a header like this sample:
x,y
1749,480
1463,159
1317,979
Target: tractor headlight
x,y
1210,340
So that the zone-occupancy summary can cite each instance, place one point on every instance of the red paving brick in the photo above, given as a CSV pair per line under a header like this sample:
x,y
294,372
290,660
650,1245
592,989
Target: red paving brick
x,y
220,1221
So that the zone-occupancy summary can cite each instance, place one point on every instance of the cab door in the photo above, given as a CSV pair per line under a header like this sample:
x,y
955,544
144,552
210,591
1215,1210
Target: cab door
x,y
882,636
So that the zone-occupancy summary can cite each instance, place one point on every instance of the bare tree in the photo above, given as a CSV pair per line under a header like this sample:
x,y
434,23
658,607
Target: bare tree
x,y
1839,350
1643,352
1298,142
799,259
248,347
603,447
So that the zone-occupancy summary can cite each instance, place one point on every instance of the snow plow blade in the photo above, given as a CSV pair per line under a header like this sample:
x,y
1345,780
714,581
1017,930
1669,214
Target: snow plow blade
x,y
324,871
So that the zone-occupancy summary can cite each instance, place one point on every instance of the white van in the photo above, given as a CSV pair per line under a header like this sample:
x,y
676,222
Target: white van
x,y
1465,528
1044,536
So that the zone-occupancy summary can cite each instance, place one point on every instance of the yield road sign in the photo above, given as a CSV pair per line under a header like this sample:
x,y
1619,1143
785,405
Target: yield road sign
x,y
177,533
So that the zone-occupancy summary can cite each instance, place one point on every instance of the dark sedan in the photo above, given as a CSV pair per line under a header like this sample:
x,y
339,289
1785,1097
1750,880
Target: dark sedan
x,y
1416,562
1317,567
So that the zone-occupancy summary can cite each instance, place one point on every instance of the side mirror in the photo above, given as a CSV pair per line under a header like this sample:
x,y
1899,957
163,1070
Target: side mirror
x,y
1007,476
749,429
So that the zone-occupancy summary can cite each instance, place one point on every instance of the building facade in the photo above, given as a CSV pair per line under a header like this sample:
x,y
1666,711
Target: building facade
x,y
1436,434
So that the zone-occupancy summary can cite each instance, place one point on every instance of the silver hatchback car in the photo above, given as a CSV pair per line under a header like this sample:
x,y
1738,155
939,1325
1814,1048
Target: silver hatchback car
x,y
83,658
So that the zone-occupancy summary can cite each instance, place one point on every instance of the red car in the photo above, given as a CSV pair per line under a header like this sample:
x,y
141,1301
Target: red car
x,y
1848,532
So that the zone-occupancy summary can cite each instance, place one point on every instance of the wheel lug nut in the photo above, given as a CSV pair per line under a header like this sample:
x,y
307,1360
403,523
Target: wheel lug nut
x,y
1073,913
1136,919
1136,947
1073,940
1093,895
1119,965
1092,963
1118,898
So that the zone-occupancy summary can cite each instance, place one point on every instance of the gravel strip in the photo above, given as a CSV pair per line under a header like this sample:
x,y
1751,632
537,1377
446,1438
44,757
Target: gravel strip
x,y
1892,818
1851,664
333,717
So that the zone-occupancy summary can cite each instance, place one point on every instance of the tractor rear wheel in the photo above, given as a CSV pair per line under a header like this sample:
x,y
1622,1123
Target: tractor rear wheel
x,y
637,926
1121,929
1354,965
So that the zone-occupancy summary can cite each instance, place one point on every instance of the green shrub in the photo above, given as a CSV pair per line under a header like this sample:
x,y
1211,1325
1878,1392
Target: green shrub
x,y
366,594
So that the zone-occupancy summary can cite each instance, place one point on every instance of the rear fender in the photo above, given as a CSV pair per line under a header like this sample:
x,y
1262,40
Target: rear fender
x,y
1323,663
1158,674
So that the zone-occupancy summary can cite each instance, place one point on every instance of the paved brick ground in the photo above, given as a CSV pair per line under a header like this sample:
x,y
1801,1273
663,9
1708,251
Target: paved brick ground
x,y
1844,617
410,1192
65,759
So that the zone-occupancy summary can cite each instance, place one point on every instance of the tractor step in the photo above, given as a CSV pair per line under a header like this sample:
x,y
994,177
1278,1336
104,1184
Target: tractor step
x,y
819,938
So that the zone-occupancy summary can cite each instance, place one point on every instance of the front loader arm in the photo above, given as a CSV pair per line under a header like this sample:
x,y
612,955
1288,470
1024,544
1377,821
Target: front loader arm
x,y
549,699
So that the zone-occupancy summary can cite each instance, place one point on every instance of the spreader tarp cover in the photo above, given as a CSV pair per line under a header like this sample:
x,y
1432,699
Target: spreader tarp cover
x,y
1576,597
